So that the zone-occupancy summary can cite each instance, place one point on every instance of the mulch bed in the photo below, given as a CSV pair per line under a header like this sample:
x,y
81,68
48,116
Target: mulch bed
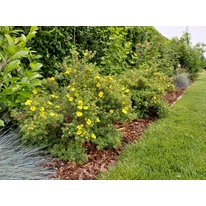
x,y
99,161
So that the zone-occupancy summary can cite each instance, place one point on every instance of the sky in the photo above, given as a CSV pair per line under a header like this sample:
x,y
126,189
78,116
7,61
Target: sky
x,y
198,33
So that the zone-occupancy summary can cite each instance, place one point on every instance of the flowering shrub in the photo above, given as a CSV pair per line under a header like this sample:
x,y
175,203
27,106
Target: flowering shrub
x,y
78,105
147,86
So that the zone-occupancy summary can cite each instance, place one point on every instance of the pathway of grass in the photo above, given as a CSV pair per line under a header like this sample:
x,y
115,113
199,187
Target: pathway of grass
x,y
171,148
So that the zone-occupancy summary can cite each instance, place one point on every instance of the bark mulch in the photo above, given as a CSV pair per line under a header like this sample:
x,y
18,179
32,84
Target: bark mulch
x,y
99,161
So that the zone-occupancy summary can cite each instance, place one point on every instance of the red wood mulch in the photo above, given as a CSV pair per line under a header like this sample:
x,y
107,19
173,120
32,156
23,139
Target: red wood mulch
x,y
98,161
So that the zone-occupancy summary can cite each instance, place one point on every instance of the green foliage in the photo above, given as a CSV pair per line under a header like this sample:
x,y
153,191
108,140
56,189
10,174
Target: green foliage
x,y
181,80
172,148
17,162
19,69
53,43
147,86
116,52
187,55
78,105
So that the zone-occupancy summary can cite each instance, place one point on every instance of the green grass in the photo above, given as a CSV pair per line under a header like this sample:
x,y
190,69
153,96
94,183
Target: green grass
x,y
171,148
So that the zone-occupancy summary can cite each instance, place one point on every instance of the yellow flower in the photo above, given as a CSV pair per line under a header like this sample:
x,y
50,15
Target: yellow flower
x,y
30,128
69,87
97,77
79,107
110,78
93,136
67,95
86,107
85,54
89,121
125,110
71,99
34,92
79,114
33,108
98,84
42,109
127,90
57,106
76,94
80,102
97,119
51,79
154,97
52,114
79,127
72,89
54,96
50,103
111,111
28,102
101,94
79,132
68,71
42,114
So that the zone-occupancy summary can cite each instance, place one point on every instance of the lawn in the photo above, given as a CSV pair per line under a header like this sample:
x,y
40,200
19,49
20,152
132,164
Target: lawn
x,y
172,148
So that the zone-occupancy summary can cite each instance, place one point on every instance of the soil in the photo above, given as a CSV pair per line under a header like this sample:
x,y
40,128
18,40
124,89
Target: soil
x,y
100,160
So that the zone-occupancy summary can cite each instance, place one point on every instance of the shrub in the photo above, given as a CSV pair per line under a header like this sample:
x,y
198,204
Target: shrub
x,y
181,80
18,162
19,70
53,43
78,105
147,87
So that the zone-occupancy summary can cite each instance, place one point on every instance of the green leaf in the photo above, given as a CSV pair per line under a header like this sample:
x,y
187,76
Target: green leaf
x,y
25,94
33,28
19,55
5,100
12,65
1,123
10,40
11,79
30,35
36,67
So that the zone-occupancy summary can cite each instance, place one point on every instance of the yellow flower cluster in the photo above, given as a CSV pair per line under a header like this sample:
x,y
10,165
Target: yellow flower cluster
x,y
51,79
69,97
68,71
93,136
33,108
125,110
101,94
42,113
28,103
54,96
34,92
52,114
49,103
89,122
79,114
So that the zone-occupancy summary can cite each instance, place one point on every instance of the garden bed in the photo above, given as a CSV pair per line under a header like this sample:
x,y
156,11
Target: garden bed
x,y
99,160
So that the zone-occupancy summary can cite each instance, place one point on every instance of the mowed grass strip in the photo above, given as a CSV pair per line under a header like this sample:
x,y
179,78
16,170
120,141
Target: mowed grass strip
x,y
172,148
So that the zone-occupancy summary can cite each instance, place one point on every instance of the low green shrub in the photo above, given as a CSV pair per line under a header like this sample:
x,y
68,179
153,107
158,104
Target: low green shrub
x,y
147,86
75,106
181,80
18,162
